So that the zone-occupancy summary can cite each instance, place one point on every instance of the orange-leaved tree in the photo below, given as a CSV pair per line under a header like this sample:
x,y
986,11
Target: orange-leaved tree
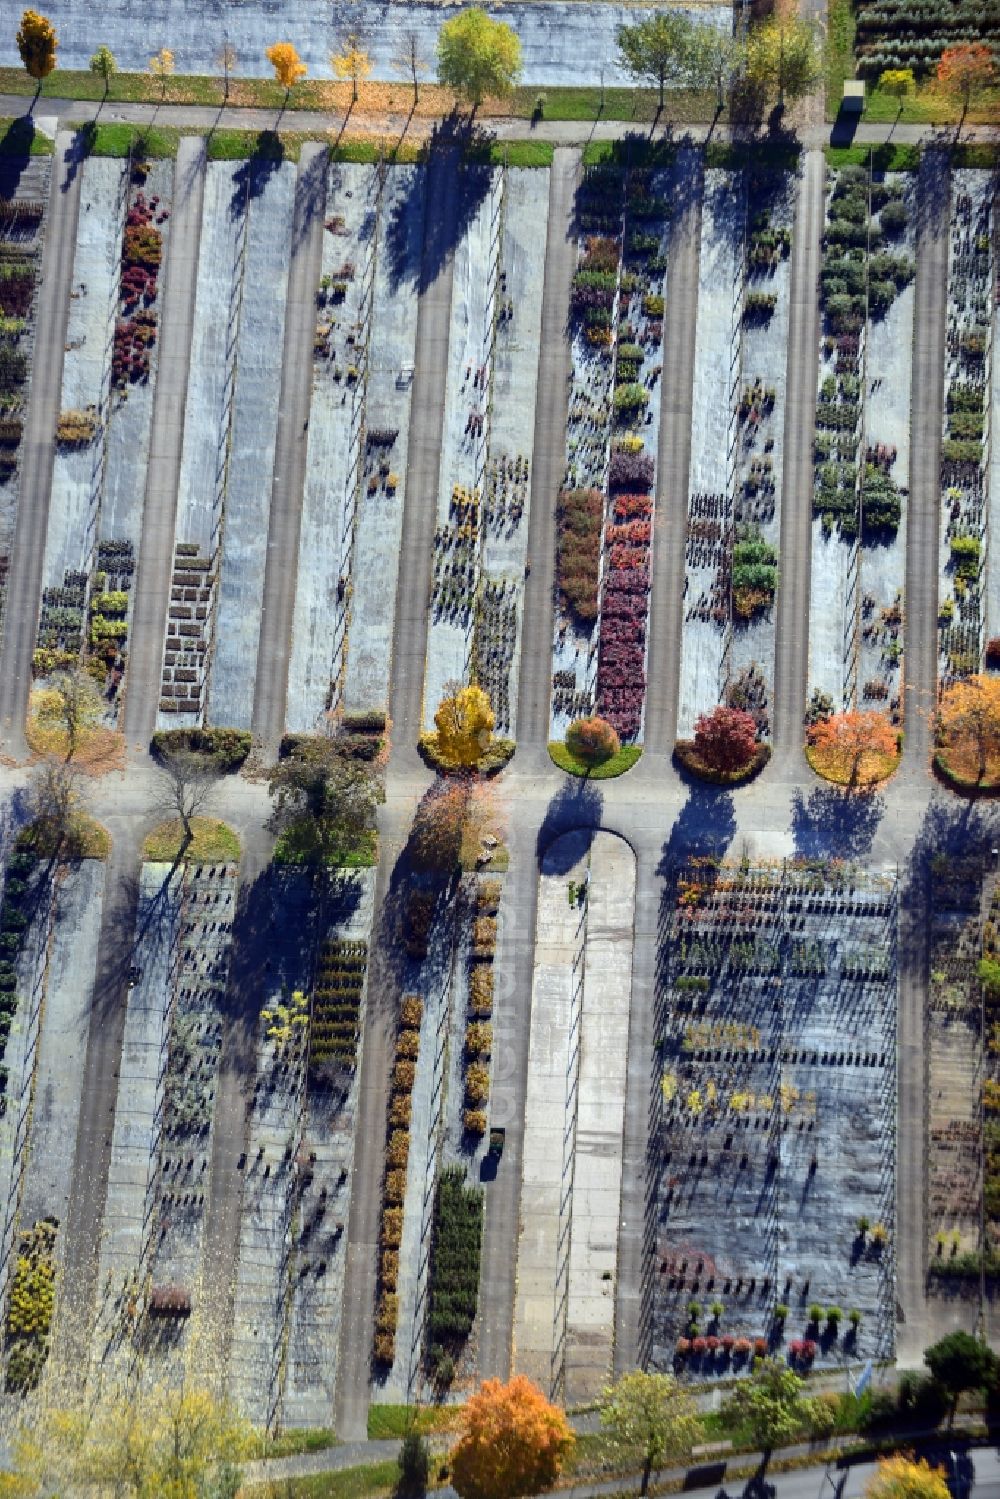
x,y
513,1441
592,740
464,724
964,73
969,727
289,69
853,747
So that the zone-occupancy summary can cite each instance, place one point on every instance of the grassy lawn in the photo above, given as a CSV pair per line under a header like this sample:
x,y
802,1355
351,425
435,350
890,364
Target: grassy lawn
x,y
84,839
350,1483
626,757
154,142
291,1443
839,52
20,138
884,158
387,1421
307,842
214,843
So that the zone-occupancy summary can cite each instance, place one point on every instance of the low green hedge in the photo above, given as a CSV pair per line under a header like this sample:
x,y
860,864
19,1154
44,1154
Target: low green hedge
x,y
686,758
626,757
227,747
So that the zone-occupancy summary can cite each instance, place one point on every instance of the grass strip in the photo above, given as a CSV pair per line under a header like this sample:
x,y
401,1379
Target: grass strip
x,y
626,757
156,143
388,1421
20,138
886,157
214,842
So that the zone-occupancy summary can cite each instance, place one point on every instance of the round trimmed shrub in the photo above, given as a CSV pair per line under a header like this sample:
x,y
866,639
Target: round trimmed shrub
x,y
592,741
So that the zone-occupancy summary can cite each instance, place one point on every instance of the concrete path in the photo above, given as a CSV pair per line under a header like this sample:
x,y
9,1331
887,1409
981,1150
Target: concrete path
x,y
923,507
791,656
290,449
85,1216
676,394
423,461
156,552
38,447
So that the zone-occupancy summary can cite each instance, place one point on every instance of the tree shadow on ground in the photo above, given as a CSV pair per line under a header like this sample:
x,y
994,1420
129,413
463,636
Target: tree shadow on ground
x,y
310,198
457,180
832,824
15,153
252,176
577,804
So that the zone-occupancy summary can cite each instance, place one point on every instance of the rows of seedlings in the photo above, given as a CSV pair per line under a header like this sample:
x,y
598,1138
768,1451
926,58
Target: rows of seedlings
x,y
735,478
969,573
605,510
159,1182
862,444
457,556
22,230
227,460
105,423
50,919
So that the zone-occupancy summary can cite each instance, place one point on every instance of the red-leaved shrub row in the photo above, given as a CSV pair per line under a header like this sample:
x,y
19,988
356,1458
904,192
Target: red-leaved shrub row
x,y
621,657
135,331
630,471
579,517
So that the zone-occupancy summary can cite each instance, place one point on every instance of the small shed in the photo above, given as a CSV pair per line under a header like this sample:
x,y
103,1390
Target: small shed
x,y
854,96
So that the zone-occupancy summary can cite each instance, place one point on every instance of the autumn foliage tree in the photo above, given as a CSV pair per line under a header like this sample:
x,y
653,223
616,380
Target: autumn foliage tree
x,y
37,43
653,1414
964,73
289,69
592,740
853,748
725,739
969,728
900,1477
351,62
513,1442
464,724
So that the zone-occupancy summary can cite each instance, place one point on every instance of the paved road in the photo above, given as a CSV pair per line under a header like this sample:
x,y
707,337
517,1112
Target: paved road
x,y
549,460
410,638
674,458
156,550
85,1214
791,659
38,447
923,509
281,569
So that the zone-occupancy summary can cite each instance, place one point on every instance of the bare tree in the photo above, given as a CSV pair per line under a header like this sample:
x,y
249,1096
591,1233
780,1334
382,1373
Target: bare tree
x,y
410,58
54,800
225,58
187,784
72,704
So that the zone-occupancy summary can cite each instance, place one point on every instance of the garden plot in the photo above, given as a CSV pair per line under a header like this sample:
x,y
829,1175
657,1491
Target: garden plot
x,y
574,1116
45,1022
379,525
604,546
775,1196
227,461
969,569
85,401
158,1182
336,443
22,232
464,443
862,444
496,645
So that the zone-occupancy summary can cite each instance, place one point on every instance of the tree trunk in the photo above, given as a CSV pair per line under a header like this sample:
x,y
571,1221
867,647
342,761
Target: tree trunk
x,y
647,1468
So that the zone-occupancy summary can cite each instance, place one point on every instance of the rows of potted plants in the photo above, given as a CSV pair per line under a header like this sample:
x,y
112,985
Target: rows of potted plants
x,y
456,1247
30,1306
397,1153
893,34
969,578
22,229
339,458
605,512
862,441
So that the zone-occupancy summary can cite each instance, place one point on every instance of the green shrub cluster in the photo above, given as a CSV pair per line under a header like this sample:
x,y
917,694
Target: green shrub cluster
x,y
456,1248
229,748
31,1304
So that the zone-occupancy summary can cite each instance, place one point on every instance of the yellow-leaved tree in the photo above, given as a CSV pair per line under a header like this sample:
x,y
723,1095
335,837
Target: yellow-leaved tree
x,y
901,1477
464,725
37,43
162,67
352,61
289,69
